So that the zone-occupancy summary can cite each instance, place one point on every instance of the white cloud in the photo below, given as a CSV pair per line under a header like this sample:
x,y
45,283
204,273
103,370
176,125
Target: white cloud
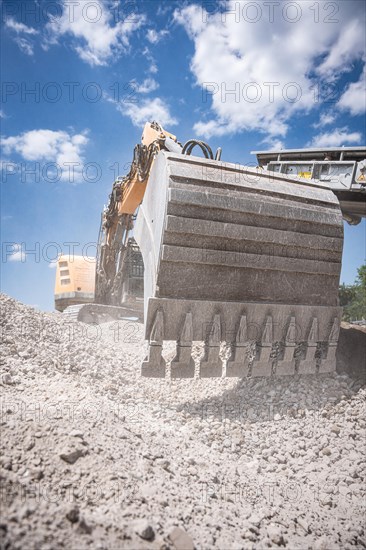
x,y
50,146
354,98
261,74
17,254
19,29
53,263
97,40
336,138
154,36
25,45
347,45
147,110
325,119
152,67
143,110
147,86
2,114
133,88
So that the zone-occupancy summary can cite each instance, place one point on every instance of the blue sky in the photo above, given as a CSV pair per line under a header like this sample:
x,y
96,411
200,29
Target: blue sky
x,y
241,75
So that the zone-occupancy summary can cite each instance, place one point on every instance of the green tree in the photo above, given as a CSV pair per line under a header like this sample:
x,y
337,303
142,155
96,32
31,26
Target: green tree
x,y
347,294
353,297
361,276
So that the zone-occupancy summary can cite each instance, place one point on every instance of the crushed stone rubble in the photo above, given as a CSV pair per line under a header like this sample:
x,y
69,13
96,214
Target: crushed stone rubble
x,y
94,456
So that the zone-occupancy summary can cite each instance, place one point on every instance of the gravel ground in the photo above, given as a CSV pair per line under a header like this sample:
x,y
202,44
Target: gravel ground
x,y
93,456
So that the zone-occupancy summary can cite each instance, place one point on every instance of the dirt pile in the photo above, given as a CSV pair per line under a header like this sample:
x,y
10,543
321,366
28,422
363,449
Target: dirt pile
x,y
93,456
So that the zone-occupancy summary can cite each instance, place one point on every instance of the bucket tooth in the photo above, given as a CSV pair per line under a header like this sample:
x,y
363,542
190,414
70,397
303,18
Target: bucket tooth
x,y
211,364
238,362
286,366
263,363
334,333
182,365
154,365
308,364
328,364
157,331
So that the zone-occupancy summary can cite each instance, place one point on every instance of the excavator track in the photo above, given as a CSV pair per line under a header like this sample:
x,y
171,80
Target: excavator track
x,y
99,313
243,258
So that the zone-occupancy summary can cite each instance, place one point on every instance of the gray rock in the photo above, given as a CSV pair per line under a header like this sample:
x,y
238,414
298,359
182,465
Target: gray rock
x,y
73,514
303,524
84,527
76,433
72,456
144,530
181,540
275,535
29,443
7,379
250,535
335,429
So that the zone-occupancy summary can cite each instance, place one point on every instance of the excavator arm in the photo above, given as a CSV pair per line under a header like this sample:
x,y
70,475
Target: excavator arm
x,y
118,217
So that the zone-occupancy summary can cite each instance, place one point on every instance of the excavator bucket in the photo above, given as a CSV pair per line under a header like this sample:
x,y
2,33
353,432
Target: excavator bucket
x,y
241,257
